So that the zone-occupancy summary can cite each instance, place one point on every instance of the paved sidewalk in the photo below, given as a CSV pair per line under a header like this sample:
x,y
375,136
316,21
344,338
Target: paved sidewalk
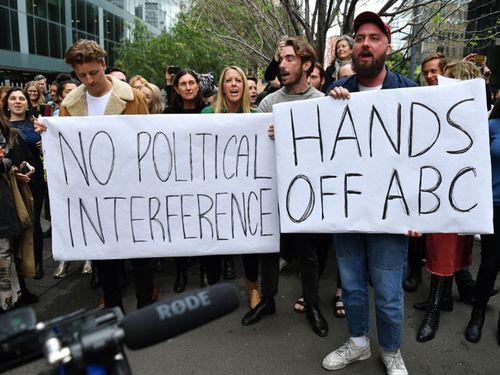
x,y
283,343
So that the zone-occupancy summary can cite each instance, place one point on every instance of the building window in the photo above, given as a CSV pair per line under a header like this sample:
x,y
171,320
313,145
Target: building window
x,y
9,28
42,37
40,8
54,10
55,40
92,19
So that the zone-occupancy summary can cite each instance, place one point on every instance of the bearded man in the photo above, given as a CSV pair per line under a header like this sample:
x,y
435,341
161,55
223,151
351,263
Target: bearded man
x,y
382,257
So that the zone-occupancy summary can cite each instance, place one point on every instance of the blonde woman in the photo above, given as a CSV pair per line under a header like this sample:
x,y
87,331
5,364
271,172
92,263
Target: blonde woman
x,y
36,98
153,98
137,81
234,97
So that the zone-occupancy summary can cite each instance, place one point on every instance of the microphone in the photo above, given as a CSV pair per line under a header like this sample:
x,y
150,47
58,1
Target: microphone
x,y
166,319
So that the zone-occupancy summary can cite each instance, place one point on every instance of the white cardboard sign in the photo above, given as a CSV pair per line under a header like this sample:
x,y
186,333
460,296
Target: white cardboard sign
x,y
161,185
386,161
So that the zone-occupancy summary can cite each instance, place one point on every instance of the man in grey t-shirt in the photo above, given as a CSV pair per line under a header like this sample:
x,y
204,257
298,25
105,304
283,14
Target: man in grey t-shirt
x,y
296,63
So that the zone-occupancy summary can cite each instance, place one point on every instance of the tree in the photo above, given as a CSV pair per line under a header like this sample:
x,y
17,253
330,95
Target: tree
x,y
149,55
213,33
253,26
250,28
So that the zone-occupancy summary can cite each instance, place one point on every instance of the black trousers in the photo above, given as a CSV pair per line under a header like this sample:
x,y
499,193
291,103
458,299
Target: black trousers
x,y
109,272
38,190
304,247
212,264
490,262
416,252
251,266
311,250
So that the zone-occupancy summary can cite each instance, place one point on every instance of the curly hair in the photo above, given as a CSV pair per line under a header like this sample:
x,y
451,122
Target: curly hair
x,y
84,51
462,70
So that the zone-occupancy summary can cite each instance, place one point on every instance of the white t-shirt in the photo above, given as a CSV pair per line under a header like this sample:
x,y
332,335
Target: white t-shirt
x,y
96,105
366,88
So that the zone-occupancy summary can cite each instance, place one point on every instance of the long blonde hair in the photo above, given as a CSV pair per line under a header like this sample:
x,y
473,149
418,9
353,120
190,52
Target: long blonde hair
x,y
41,98
157,105
462,70
220,104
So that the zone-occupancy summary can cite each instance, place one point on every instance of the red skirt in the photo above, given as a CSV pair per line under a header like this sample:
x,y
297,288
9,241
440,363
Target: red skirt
x,y
447,253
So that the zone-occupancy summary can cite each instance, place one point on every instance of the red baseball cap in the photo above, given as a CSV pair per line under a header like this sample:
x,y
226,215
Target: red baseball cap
x,y
370,17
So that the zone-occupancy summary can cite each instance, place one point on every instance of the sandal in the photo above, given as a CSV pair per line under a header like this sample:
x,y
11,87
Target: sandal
x,y
299,305
338,306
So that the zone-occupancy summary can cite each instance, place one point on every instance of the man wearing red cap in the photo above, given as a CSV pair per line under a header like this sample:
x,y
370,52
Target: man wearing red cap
x,y
381,256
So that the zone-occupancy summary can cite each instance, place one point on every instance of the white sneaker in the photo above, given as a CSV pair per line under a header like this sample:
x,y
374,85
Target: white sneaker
x,y
346,354
87,268
394,363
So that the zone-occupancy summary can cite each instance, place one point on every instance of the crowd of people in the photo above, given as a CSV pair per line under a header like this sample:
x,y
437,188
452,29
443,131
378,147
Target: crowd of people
x,y
389,263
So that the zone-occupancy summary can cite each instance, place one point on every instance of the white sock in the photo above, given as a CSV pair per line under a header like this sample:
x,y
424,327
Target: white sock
x,y
360,342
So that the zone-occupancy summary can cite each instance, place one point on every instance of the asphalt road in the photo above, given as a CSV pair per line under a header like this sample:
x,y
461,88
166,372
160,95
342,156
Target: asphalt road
x,y
279,344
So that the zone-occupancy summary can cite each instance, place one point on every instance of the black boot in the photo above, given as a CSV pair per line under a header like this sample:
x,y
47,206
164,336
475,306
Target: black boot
x,y
412,281
38,264
466,286
430,324
317,321
180,281
266,306
475,326
228,272
38,271
26,296
446,301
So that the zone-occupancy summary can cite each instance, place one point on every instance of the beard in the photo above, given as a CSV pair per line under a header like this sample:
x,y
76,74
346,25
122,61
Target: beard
x,y
371,70
293,78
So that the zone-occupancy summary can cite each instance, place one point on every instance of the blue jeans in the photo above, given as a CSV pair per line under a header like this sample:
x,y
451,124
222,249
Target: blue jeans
x,y
380,258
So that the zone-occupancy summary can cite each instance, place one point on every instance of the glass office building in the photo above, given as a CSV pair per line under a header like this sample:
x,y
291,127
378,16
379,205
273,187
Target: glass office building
x,y
34,34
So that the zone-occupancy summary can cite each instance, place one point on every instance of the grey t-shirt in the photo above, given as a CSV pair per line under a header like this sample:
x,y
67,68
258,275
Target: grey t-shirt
x,y
282,96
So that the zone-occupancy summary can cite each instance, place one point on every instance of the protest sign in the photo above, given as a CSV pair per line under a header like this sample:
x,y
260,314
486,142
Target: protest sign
x,y
161,185
386,161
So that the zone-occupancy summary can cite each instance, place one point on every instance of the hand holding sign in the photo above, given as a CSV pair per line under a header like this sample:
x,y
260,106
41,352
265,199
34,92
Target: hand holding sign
x,y
386,161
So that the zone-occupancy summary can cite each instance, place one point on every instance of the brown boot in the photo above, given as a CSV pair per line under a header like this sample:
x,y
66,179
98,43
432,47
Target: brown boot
x,y
253,294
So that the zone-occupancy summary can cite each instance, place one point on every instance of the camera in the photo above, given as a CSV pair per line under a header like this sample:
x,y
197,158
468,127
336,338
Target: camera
x,y
173,69
27,168
80,340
